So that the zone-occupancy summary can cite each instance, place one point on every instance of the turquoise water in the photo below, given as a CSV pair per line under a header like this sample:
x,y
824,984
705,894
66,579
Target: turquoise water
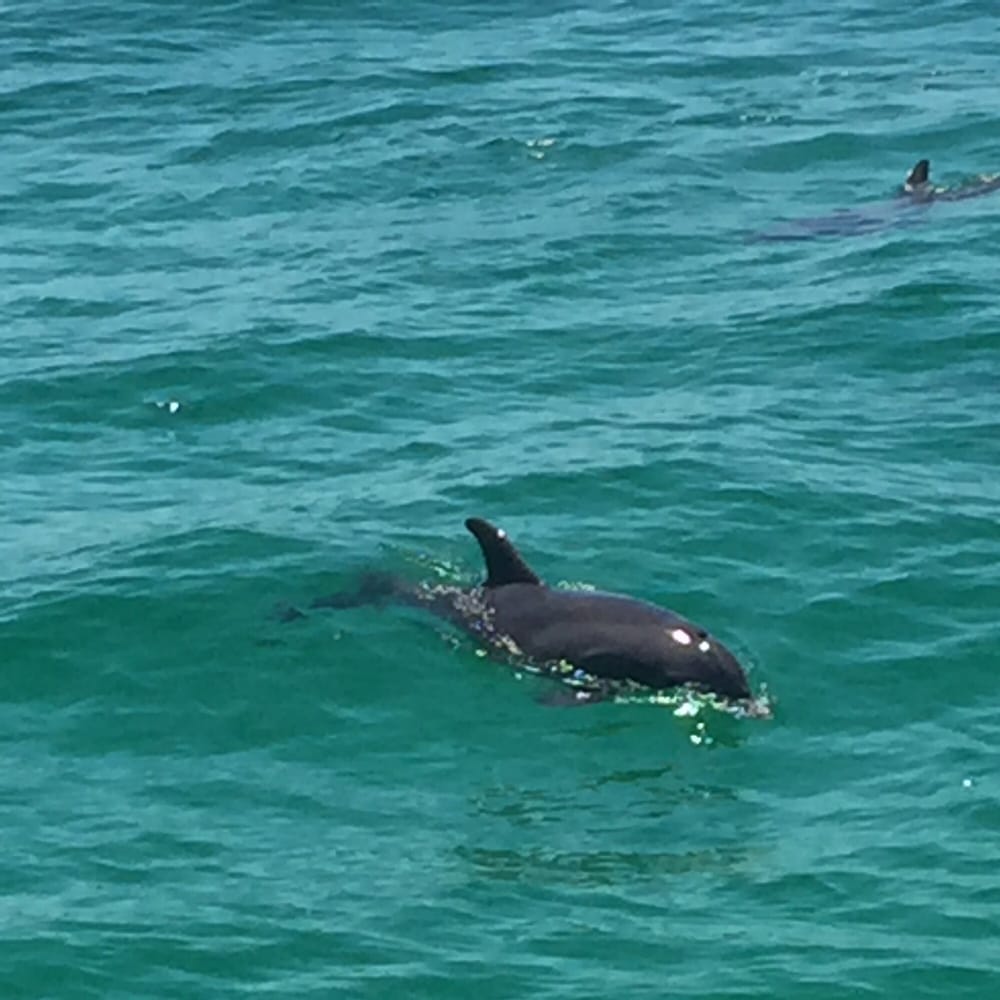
x,y
291,290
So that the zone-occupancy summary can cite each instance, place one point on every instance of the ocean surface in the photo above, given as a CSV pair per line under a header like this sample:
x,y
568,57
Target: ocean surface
x,y
289,291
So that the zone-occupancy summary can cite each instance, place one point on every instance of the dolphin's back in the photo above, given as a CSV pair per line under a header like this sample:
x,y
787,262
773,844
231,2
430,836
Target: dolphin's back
x,y
522,610
604,634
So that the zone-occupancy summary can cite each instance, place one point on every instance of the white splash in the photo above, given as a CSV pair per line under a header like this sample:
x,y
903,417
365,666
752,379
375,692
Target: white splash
x,y
537,147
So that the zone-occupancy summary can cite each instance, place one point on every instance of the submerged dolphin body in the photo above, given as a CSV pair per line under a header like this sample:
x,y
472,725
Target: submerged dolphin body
x,y
915,195
606,638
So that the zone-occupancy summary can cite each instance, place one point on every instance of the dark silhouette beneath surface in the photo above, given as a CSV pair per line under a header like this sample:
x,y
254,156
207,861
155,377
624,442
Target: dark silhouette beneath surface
x,y
915,196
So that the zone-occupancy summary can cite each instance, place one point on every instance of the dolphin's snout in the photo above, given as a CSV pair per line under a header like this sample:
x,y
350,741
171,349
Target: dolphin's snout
x,y
730,677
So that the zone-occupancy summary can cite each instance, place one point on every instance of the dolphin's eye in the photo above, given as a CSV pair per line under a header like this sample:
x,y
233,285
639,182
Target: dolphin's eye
x,y
702,634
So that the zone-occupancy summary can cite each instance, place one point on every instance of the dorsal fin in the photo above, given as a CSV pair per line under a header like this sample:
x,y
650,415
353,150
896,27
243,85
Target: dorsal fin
x,y
920,174
503,562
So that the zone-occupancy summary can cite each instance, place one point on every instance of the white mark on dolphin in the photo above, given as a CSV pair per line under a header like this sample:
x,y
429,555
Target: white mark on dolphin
x,y
679,635
704,646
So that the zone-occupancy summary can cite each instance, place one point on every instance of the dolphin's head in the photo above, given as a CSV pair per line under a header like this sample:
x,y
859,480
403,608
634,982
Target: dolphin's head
x,y
687,654
664,655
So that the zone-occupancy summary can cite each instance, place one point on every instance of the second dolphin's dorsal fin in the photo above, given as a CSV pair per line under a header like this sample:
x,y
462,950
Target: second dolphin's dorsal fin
x,y
918,176
503,562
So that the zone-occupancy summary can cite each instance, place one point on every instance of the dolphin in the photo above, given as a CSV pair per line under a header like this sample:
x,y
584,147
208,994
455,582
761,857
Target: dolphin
x,y
918,187
914,195
595,639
